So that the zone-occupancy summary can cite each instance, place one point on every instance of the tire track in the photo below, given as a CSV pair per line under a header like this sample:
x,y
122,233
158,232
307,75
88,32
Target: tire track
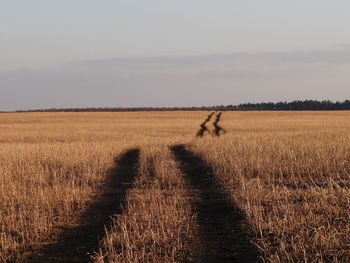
x,y
77,244
223,233
217,128
203,128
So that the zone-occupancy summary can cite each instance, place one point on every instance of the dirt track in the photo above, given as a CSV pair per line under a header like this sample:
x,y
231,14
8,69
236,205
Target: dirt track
x,y
217,128
77,244
203,127
223,234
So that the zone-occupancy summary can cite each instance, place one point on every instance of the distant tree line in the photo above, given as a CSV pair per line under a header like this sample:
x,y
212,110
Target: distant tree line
x,y
120,109
296,105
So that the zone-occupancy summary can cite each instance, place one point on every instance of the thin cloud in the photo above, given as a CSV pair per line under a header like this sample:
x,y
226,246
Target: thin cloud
x,y
181,80
307,56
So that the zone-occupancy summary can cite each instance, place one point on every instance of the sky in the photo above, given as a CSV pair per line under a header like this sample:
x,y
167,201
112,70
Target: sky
x,y
111,53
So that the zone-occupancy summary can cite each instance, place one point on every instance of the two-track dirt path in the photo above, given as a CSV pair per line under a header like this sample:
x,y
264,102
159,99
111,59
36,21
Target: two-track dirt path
x,y
223,234
77,244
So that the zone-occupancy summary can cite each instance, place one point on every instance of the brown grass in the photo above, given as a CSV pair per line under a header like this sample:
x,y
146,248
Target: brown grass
x,y
157,223
51,165
288,171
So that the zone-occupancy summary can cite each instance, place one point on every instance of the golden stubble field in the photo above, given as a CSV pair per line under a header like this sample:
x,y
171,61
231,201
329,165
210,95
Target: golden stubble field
x,y
285,173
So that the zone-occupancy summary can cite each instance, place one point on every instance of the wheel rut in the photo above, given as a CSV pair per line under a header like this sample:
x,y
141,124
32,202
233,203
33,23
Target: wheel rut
x,y
217,128
77,244
222,232
203,127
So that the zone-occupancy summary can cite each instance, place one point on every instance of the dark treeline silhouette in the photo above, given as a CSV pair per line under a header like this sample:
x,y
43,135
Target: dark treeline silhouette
x,y
121,109
274,106
297,105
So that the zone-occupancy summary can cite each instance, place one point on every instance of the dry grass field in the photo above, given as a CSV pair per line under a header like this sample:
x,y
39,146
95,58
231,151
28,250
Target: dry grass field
x,y
141,187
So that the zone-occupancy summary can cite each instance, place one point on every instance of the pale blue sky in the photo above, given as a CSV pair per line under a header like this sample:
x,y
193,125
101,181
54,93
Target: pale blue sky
x,y
40,33
40,37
